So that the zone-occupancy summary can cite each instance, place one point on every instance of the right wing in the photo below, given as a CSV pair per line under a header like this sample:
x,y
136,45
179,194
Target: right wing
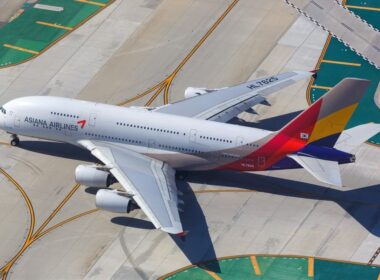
x,y
224,104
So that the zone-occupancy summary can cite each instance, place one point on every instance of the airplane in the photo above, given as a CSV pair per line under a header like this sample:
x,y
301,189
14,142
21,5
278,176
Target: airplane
x,y
142,148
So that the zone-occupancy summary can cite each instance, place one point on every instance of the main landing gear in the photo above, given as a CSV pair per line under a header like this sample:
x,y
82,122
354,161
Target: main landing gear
x,y
15,140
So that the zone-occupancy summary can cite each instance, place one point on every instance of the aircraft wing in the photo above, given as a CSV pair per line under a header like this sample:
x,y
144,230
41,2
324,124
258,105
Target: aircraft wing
x,y
224,104
149,181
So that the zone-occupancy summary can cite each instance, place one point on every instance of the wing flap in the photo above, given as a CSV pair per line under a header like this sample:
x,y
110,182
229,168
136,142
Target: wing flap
x,y
324,170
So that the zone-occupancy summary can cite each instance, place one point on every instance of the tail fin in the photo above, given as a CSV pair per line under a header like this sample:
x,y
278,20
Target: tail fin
x,y
323,122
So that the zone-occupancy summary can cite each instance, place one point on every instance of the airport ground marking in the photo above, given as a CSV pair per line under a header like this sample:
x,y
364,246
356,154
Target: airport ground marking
x,y
321,87
54,25
33,236
363,8
20,49
57,209
92,3
310,267
255,265
211,273
60,224
29,237
167,82
341,63
374,256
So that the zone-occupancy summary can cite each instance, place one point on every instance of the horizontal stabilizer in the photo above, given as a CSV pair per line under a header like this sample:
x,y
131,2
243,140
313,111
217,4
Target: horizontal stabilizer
x,y
353,137
324,170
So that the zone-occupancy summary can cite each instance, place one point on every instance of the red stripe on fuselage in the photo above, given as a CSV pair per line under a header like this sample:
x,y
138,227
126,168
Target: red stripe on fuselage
x,y
286,141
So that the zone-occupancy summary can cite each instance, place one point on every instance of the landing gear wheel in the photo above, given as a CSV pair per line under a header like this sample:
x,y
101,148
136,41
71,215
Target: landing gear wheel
x,y
15,141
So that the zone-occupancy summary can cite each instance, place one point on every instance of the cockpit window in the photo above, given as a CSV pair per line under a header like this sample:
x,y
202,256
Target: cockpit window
x,y
3,110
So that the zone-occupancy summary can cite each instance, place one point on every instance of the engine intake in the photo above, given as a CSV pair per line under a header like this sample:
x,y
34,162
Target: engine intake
x,y
91,176
114,201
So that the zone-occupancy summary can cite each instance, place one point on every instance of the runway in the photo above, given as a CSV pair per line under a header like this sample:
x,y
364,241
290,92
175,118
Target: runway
x,y
147,53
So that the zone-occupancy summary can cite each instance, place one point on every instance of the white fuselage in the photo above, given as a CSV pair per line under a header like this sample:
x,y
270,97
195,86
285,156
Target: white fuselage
x,y
184,143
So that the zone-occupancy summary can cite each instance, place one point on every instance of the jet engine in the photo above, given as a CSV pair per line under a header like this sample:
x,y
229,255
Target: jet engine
x,y
193,91
93,176
114,201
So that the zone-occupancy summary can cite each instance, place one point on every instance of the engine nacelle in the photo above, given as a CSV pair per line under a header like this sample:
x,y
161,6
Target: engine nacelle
x,y
114,201
192,91
92,176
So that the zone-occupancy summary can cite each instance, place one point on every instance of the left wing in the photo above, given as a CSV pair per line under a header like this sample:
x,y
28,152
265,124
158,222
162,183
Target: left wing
x,y
149,181
223,104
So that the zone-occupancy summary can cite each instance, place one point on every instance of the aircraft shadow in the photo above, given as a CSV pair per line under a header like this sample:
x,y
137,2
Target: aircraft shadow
x,y
58,149
197,245
362,204
273,124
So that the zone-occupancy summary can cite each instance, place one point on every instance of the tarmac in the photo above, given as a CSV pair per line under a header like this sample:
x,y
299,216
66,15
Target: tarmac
x,y
50,228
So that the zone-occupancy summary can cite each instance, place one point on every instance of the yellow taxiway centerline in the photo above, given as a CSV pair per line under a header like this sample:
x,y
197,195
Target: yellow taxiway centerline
x,y
321,87
54,25
310,267
92,3
341,63
20,49
255,265
363,8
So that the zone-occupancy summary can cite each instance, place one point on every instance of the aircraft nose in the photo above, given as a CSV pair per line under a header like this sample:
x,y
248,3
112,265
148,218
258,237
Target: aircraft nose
x,y
2,118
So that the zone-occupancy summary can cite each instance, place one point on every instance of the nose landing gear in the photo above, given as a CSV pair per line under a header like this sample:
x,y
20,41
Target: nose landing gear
x,y
15,140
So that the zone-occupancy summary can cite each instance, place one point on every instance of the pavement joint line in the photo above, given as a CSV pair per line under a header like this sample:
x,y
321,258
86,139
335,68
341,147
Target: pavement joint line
x,y
255,265
363,8
54,25
341,63
92,3
20,49
310,267
321,87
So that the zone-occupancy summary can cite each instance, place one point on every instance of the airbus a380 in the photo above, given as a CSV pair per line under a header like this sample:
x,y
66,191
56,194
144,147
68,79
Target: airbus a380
x,y
142,148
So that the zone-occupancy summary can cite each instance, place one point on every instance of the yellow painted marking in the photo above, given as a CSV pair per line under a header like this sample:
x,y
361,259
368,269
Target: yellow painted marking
x,y
213,274
20,49
363,8
378,277
321,87
310,268
341,63
255,265
54,25
92,3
